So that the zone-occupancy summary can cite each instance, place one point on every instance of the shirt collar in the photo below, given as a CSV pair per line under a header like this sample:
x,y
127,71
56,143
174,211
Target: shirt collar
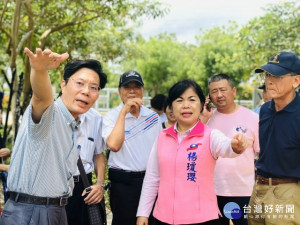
x,y
291,107
66,113
185,133
197,129
82,117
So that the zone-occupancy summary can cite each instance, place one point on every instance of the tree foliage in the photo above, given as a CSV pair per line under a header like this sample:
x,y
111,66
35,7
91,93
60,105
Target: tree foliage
x,y
105,29
278,30
98,29
233,50
158,60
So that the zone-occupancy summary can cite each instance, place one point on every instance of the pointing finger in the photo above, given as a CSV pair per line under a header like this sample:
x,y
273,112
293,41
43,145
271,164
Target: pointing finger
x,y
28,52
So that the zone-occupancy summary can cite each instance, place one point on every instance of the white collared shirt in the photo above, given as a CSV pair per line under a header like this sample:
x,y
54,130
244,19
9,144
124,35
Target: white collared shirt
x,y
182,136
90,139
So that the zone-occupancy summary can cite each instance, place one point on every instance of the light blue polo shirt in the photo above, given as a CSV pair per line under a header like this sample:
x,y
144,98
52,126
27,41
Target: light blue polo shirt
x,y
44,155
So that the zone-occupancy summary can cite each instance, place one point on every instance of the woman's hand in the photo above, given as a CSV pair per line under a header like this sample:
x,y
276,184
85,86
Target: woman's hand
x,y
141,220
239,143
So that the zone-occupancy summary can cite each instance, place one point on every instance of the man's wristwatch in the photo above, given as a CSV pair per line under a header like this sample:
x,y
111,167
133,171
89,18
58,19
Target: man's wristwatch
x,y
101,183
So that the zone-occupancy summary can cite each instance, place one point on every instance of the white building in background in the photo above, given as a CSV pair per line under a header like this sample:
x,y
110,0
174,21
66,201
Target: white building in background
x,y
109,98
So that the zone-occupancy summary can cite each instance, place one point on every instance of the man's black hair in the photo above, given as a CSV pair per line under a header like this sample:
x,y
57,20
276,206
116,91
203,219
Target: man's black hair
x,y
221,76
75,65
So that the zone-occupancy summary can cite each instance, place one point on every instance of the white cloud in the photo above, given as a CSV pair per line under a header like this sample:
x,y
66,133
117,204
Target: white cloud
x,y
187,16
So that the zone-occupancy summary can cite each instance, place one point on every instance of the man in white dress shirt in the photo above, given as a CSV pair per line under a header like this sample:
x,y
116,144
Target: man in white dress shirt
x,y
91,152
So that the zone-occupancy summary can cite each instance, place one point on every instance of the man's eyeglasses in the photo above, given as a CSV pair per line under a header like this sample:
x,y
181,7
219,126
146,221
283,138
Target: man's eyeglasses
x,y
80,84
267,75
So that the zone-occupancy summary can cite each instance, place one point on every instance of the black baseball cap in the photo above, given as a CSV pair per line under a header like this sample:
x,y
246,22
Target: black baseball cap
x,y
281,64
130,76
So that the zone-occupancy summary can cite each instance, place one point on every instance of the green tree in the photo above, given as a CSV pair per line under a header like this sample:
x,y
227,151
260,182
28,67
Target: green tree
x,y
233,50
158,60
277,30
90,28
216,53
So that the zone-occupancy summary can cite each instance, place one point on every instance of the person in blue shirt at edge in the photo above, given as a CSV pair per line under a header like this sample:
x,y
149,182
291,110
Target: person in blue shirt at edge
x,y
277,188
45,153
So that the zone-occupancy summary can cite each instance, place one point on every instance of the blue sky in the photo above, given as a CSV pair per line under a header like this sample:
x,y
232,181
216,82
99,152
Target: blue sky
x,y
187,16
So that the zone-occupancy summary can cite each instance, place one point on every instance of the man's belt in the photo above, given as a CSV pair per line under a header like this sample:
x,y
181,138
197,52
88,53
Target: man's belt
x,y
35,200
275,181
133,174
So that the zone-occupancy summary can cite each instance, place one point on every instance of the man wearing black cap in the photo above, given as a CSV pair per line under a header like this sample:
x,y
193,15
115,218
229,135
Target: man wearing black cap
x,y
129,131
276,194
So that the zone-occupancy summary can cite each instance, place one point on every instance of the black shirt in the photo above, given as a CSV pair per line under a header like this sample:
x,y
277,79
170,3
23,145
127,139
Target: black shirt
x,y
279,139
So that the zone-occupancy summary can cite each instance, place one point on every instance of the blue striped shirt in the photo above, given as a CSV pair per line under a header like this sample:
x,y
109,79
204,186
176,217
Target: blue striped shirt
x,y
44,155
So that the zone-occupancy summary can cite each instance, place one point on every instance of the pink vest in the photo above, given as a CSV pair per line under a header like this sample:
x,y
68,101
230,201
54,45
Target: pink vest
x,y
186,190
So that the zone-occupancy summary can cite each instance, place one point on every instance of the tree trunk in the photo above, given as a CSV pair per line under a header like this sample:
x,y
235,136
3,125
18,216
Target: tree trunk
x,y
13,59
26,93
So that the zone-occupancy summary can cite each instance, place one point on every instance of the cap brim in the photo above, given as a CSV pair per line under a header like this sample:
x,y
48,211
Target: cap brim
x,y
273,69
132,80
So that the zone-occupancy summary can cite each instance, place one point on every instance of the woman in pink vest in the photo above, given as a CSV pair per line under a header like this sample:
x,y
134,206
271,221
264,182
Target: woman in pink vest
x,y
181,164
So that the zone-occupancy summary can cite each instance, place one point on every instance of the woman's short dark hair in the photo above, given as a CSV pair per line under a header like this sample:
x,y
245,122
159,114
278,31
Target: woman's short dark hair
x,y
180,87
75,65
157,102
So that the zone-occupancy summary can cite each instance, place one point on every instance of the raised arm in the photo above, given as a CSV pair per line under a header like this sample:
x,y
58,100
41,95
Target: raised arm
x,y
117,136
225,147
40,63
